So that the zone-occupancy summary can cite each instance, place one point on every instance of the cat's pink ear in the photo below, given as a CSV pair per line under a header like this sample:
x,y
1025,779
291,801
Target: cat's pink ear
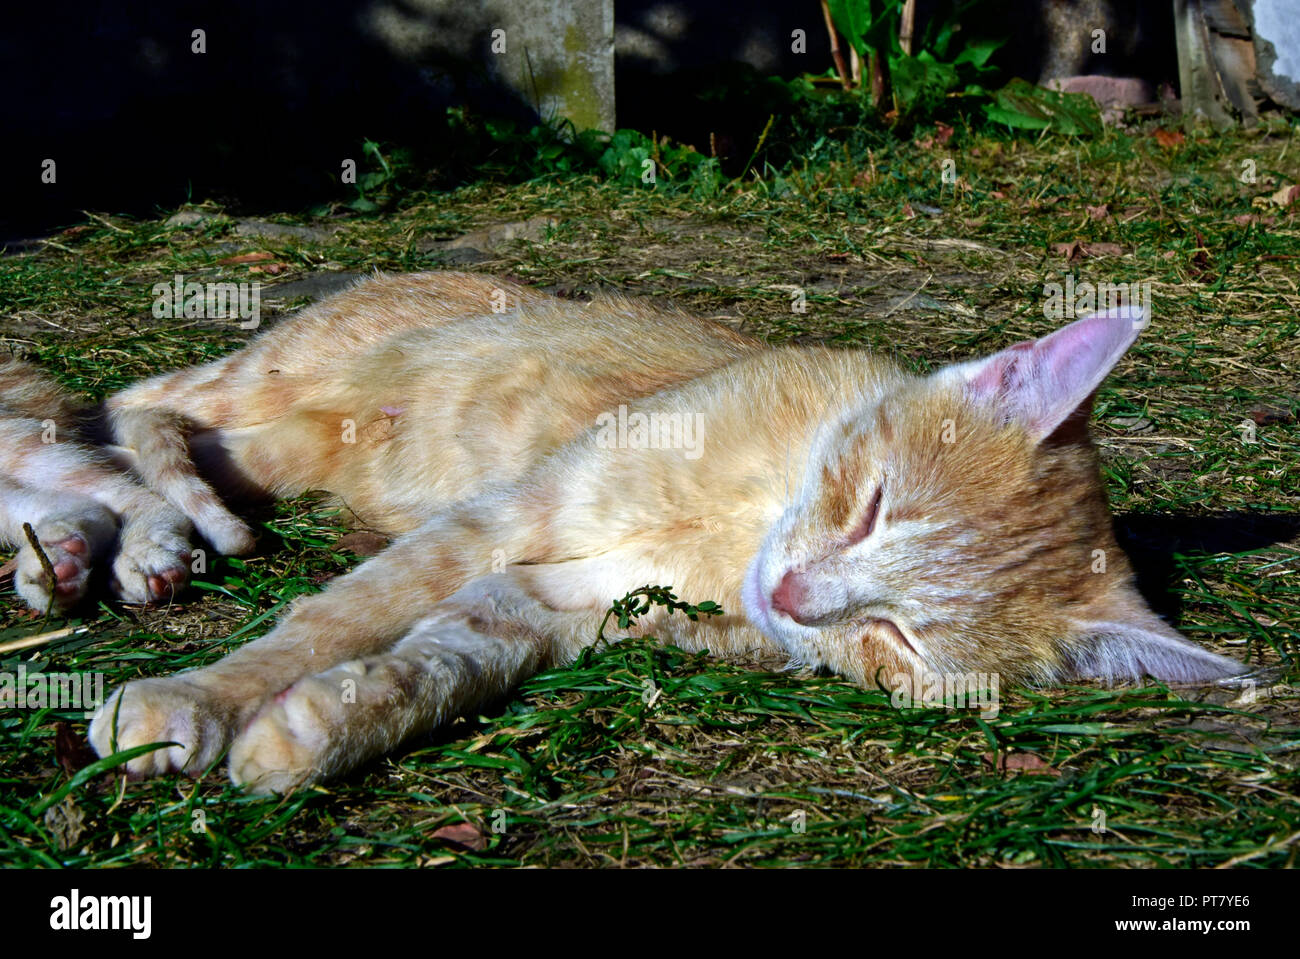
x,y
1040,383
1138,643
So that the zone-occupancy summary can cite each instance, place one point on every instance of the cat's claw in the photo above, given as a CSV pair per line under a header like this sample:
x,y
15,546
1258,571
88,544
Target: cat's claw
x,y
161,710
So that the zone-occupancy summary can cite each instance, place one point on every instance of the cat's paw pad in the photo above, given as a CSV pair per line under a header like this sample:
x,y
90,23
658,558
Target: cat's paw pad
x,y
151,567
71,553
288,743
161,710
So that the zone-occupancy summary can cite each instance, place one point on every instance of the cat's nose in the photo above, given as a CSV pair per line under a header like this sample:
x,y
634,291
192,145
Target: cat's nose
x,y
789,595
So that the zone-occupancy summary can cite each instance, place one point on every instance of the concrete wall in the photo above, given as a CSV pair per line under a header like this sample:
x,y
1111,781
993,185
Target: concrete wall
x,y
557,57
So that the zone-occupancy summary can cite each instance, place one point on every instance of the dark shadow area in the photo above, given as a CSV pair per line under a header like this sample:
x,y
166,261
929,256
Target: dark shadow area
x,y
1152,540
696,71
135,120
1054,38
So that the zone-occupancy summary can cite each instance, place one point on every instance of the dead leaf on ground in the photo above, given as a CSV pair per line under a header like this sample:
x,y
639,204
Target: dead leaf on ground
x,y
1101,249
463,834
1200,268
363,543
1169,138
1134,424
1026,763
71,749
1285,196
1246,219
257,257
1078,250
66,823
1099,212
1269,417
942,134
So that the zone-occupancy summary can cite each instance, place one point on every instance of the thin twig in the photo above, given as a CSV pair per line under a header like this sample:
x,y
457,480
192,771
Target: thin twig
x,y
836,54
51,577
908,299
905,26
112,226
40,639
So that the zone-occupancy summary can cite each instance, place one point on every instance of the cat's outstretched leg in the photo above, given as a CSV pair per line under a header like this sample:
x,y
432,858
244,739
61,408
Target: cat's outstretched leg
x,y
158,440
360,614
477,644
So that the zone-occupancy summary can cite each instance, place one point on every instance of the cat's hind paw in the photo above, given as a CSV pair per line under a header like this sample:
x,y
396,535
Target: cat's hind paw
x,y
71,544
152,565
159,711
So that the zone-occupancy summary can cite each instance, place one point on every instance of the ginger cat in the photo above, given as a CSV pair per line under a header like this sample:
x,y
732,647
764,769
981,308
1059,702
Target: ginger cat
x,y
80,504
541,457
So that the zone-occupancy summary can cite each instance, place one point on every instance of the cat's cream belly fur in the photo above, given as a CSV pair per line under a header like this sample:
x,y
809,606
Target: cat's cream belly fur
x,y
906,522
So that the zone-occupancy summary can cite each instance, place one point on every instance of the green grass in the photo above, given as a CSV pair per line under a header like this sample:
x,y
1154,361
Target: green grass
x,y
732,764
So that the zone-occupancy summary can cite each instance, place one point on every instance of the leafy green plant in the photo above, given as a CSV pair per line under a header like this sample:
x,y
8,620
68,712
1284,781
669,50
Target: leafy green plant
x,y
633,158
637,603
376,187
950,60
1023,106
551,148
945,57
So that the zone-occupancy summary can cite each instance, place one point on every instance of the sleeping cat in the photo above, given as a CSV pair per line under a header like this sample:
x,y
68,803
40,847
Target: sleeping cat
x,y
538,457
81,506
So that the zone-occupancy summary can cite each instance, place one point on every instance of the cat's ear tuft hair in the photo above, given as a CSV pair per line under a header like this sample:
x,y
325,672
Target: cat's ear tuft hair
x,y
1142,644
1041,383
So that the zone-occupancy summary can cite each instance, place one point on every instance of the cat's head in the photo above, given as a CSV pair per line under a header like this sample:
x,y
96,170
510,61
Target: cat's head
x,y
959,525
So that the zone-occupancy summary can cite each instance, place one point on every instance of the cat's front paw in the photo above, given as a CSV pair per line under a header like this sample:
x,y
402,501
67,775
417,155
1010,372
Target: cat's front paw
x,y
162,710
152,564
288,744
71,544
228,534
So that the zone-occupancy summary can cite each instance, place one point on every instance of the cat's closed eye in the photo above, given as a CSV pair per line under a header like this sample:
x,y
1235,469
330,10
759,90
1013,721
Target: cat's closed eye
x,y
867,525
891,630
